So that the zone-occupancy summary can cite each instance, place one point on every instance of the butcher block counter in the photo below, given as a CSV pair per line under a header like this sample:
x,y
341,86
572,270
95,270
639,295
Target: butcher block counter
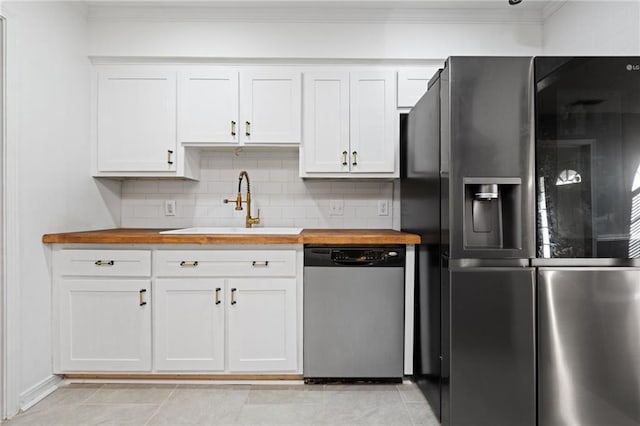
x,y
307,236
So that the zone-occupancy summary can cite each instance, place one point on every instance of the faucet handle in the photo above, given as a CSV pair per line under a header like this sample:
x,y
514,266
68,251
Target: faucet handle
x,y
236,201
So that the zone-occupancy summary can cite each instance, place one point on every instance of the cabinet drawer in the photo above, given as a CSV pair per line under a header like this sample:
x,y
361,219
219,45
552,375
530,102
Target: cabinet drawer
x,y
230,263
107,263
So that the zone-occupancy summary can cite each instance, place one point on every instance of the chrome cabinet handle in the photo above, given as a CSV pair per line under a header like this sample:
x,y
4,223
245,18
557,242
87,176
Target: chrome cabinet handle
x,y
104,263
141,294
355,158
344,158
218,295
186,264
248,128
169,152
233,128
233,296
262,264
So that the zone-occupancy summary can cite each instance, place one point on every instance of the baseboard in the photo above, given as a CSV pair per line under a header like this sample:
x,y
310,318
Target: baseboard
x,y
39,391
179,376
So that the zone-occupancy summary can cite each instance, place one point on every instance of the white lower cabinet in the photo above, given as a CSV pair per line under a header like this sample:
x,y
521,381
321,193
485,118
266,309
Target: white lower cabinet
x,y
189,324
192,311
262,324
104,325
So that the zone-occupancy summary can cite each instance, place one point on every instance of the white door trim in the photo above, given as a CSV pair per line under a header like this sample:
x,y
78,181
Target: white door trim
x,y
9,287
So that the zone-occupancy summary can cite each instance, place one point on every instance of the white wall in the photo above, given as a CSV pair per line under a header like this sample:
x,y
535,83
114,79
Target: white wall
x,y
593,28
299,36
48,145
283,198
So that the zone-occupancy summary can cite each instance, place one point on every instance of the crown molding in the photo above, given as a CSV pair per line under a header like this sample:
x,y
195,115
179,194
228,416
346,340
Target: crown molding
x,y
278,61
315,12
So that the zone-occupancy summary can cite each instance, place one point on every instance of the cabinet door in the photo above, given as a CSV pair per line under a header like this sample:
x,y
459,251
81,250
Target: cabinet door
x,y
136,123
262,324
189,324
270,104
208,106
326,118
374,140
412,84
105,325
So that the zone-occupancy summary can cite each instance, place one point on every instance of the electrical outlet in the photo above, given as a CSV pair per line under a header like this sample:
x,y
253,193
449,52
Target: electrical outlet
x,y
169,207
383,207
336,207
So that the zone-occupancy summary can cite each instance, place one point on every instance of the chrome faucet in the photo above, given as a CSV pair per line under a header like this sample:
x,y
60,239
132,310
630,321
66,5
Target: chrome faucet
x,y
249,221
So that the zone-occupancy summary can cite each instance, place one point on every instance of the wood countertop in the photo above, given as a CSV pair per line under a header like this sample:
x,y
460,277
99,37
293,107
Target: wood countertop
x,y
307,236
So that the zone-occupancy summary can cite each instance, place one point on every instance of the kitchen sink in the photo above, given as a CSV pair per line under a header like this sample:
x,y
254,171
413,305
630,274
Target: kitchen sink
x,y
235,231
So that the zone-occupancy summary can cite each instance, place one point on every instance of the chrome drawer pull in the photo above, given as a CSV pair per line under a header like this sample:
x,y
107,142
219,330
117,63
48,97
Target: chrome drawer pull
x,y
263,264
104,263
142,292
218,295
233,296
233,128
344,158
186,264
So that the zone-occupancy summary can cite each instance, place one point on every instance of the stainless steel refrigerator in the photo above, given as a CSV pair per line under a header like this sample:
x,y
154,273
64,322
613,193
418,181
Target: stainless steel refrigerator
x,y
523,177
468,189
588,240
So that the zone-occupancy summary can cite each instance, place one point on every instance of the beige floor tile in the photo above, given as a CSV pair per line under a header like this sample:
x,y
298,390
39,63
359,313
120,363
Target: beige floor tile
x,y
131,394
65,395
201,406
392,414
411,393
285,395
88,415
361,396
206,404
421,414
280,414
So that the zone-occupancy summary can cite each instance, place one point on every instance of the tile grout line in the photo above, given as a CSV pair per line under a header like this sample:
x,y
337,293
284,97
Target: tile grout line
x,y
91,395
161,404
404,404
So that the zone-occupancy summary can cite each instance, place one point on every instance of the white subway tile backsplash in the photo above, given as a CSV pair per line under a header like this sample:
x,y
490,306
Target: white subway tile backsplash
x,y
283,198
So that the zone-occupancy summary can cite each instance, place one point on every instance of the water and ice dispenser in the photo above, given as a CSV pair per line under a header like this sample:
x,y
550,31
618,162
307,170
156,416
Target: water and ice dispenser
x,y
492,216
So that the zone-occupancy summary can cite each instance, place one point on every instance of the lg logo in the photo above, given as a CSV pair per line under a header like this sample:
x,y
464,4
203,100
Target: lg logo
x,y
632,67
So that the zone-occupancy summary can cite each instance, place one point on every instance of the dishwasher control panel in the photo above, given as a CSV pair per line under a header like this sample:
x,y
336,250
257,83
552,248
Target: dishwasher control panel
x,y
385,256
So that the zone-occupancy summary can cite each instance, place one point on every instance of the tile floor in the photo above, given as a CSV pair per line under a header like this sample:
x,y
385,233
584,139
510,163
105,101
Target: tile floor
x,y
203,404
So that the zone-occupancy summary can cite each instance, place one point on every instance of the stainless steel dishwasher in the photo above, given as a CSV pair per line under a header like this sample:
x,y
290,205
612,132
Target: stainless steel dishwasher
x,y
353,313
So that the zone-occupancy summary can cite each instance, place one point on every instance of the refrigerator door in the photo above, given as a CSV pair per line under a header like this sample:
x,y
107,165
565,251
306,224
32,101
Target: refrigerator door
x,y
491,347
487,158
588,157
589,346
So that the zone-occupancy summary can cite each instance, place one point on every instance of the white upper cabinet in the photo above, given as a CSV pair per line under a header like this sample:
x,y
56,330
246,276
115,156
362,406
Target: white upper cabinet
x,y
270,106
208,106
222,106
136,126
412,84
350,125
326,118
373,122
